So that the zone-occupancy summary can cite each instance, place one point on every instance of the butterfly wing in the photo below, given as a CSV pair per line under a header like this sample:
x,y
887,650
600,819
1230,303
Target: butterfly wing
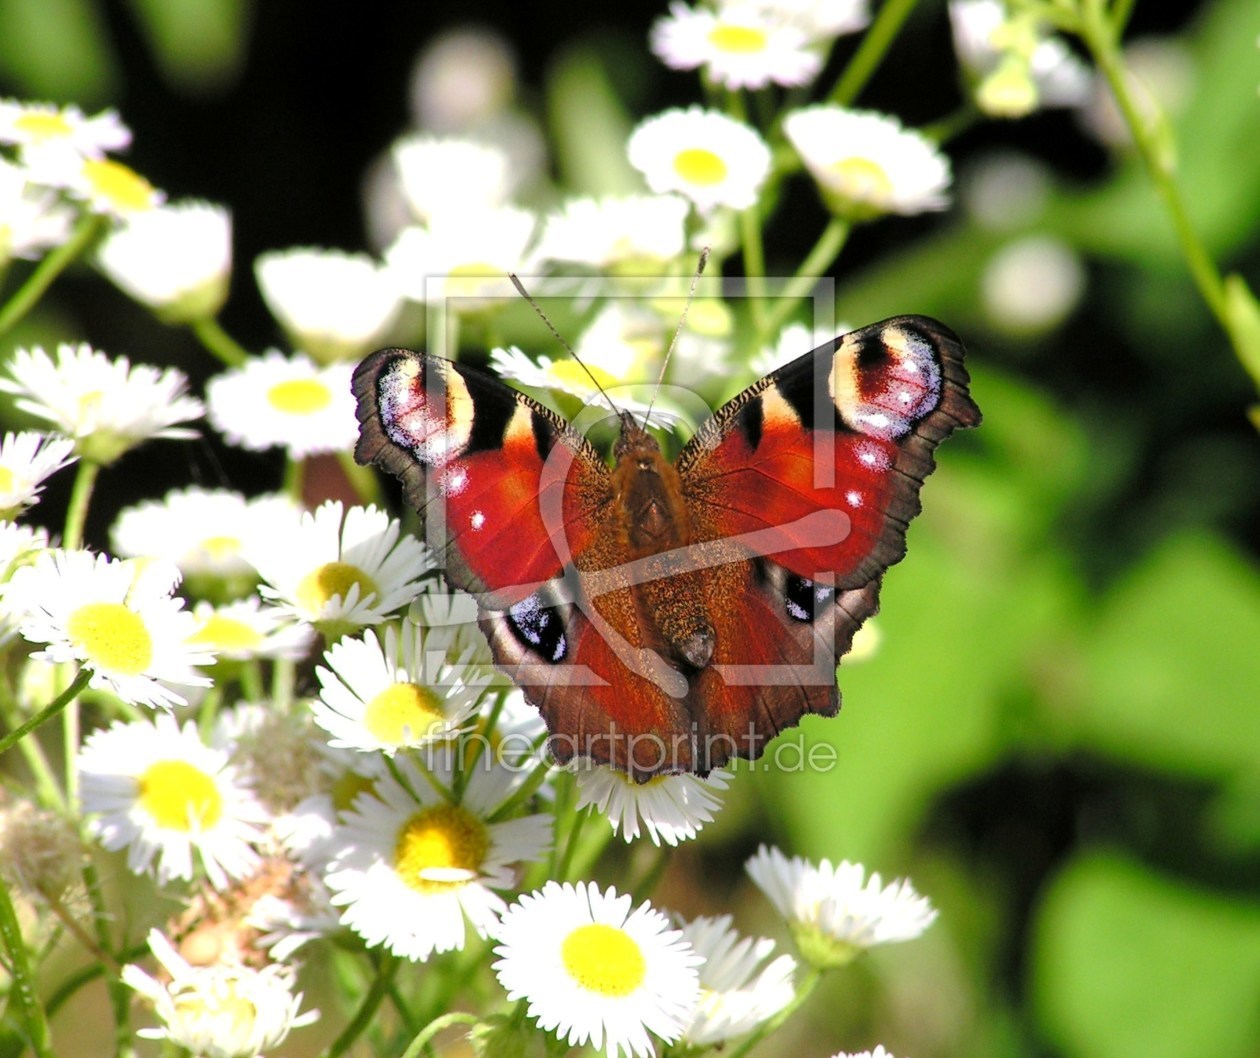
x,y
814,472
508,492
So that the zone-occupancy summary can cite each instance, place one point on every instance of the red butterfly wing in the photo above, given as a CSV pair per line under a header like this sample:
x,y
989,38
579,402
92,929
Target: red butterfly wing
x,y
507,491
820,462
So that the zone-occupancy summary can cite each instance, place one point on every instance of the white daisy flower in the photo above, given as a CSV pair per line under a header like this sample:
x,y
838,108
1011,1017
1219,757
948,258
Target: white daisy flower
x,y
835,913
19,544
738,46
386,694
119,620
332,305
702,154
221,1011
415,869
738,989
291,402
454,613
107,406
442,176
248,629
819,20
1013,64
566,375
630,234
202,531
161,793
591,969
463,260
103,185
672,808
26,459
176,259
866,164
878,1052
32,218
341,574
43,126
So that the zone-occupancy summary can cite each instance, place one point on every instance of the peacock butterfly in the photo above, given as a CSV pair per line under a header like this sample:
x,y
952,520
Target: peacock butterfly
x,y
666,617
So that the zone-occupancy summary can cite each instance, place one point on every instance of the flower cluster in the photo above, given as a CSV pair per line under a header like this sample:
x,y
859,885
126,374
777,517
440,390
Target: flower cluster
x,y
292,727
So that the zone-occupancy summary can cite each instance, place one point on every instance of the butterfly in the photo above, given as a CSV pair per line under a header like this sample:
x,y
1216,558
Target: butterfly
x,y
667,616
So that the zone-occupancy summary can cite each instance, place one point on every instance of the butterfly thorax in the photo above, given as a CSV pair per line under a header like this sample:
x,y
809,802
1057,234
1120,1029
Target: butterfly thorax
x,y
657,534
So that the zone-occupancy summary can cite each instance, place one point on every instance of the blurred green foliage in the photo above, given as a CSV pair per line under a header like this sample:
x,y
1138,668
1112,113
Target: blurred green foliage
x,y
1059,737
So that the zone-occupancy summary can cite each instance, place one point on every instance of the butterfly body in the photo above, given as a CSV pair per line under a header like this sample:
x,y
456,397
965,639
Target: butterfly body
x,y
668,616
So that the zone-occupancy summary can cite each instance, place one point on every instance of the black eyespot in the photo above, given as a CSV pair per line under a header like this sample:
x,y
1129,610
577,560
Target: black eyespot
x,y
539,628
804,598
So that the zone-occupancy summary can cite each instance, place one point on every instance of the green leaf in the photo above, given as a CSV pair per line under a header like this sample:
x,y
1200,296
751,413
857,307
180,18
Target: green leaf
x,y
57,50
1172,666
199,44
589,125
1129,964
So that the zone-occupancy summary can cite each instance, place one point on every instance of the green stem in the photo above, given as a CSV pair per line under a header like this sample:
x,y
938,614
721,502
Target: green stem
x,y
85,477
1098,34
434,1027
525,791
366,485
48,712
819,260
46,784
367,1009
28,294
219,343
871,51
806,989
754,261
22,983
293,475
119,993
570,846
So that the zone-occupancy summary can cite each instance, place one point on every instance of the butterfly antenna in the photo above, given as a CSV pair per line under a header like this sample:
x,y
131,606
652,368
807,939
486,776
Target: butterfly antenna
x,y
567,347
691,296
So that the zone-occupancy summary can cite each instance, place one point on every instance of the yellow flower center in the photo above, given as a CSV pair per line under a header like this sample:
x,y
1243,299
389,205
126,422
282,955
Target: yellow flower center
x,y
226,633
221,547
569,376
739,40
332,579
441,848
220,1015
697,165
403,713
180,796
299,396
7,480
861,180
124,188
41,126
112,636
604,959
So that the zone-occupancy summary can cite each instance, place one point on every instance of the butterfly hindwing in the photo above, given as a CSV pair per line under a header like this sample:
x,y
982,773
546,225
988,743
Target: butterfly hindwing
x,y
506,489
